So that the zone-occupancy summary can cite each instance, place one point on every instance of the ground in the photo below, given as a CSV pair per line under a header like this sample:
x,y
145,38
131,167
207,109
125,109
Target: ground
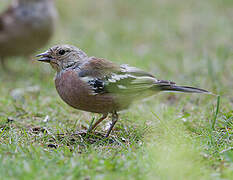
x,y
170,136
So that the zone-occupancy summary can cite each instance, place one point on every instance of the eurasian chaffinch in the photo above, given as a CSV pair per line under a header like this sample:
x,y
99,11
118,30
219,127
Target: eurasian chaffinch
x,y
101,86
26,26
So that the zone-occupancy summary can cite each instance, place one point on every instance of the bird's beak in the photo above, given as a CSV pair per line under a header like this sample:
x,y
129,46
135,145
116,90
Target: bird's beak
x,y
44,57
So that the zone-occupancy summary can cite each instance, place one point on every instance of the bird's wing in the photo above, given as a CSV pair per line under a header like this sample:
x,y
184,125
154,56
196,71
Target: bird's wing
x,y
106,77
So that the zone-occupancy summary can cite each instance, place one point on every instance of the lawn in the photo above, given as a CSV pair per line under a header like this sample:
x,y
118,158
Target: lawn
x,y
170,136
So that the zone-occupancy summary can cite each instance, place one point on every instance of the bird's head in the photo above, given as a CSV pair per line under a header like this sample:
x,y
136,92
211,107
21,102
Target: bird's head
x,y
62,57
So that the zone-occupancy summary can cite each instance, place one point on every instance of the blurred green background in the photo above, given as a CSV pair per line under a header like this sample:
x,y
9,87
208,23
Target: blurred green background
x,y
168,137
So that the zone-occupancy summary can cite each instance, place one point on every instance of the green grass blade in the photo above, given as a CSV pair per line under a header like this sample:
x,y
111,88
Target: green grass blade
x,y
216,112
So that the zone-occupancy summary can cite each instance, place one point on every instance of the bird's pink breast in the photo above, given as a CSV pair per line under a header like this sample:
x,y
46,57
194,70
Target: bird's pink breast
x,y
77,93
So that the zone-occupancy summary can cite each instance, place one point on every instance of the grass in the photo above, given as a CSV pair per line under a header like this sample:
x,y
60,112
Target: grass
x,y
171,136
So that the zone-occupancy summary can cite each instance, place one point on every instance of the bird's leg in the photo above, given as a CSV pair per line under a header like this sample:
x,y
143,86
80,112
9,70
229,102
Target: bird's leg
x,y
114,120
97,122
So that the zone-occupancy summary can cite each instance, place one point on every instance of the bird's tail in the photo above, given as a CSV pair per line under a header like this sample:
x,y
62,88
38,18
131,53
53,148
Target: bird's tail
x,y
170,86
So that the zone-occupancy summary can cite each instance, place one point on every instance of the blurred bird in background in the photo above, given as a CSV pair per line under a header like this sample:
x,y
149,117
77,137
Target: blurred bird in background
x,y
100,86
25,27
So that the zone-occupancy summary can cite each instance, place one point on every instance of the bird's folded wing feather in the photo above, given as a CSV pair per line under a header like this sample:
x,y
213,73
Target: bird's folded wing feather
x,y
106,77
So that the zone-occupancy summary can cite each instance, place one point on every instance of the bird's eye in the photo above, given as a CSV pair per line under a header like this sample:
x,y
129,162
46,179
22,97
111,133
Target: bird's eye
x,y
61,52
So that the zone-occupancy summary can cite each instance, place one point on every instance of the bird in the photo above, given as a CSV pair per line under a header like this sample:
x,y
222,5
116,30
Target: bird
x,y
25,27
100,86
